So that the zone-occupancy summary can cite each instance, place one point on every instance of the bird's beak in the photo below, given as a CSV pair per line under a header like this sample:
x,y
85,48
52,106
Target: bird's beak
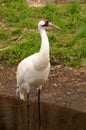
x,y
55,26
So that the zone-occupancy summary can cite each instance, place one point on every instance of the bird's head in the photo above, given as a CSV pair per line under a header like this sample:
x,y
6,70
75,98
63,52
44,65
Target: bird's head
x,y
45,23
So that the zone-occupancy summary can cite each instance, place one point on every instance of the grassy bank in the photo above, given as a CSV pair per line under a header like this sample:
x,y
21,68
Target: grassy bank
x,y
19,32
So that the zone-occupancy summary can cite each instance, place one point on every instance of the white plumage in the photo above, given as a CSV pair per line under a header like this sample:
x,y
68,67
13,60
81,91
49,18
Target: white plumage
x,y
34,70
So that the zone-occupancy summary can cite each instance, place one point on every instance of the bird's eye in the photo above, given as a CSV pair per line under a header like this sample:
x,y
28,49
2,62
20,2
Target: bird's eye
x,y
46,23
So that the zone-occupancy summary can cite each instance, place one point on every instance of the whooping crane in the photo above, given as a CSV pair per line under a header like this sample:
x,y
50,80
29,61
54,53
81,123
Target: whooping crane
x,y
34,70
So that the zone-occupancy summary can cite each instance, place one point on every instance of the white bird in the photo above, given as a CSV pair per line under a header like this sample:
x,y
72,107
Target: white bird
x,y
34,70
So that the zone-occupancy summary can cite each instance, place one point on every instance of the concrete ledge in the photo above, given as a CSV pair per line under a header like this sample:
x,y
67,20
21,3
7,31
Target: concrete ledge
x,y
13,113
13,116
54,117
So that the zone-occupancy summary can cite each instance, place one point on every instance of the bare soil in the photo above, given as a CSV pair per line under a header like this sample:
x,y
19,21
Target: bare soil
x,y
66,86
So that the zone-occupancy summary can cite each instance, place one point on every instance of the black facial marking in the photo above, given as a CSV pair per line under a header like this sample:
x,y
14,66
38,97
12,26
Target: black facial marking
x,y
46,23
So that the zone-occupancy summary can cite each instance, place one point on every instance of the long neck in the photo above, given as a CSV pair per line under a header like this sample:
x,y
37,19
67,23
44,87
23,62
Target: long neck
x,y
44,50
43,55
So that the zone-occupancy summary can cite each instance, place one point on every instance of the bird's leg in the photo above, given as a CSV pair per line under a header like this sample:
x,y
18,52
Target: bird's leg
x,y
39,97
17,90
39,112
28,105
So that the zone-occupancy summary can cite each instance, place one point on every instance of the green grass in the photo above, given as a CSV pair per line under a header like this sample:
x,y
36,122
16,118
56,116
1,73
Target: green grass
x,y
19,31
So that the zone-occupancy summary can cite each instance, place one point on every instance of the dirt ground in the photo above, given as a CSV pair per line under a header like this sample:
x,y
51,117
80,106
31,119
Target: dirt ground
x,y
66,86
